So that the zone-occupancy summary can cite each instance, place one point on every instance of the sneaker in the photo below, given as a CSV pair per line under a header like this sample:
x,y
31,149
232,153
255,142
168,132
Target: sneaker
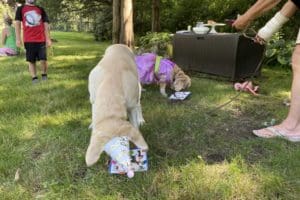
x,y
35,80
44,77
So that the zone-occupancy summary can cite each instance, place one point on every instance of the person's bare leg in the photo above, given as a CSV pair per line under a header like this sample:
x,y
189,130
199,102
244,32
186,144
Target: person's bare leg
x,y
44,68
291,125
292,122
288,10
32,69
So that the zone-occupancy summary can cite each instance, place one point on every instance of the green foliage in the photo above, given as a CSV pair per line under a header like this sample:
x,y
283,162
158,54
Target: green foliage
x,y
5,10
103,24
159,43
189,12
53,8
142,17
178,14
279,51
193,154
2,11
174,15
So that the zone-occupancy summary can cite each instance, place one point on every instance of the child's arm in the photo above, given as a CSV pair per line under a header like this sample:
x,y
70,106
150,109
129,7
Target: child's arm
x,y
45,20
47,34
18,20
18,33
3,36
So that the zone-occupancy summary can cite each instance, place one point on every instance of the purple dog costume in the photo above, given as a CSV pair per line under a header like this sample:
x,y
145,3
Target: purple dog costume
x,y
146,69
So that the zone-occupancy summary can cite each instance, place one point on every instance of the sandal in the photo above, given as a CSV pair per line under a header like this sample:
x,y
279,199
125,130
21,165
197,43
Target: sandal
x,y
272,132
292,138
269,132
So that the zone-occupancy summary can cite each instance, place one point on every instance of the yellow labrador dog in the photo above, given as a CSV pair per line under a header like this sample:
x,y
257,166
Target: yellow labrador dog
x,y
115,96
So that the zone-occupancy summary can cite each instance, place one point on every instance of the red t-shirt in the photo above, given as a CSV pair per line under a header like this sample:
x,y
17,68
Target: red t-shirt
x,y
32,18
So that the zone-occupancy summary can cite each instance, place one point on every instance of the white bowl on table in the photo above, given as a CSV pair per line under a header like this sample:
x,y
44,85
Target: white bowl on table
x,y
201,29
213,26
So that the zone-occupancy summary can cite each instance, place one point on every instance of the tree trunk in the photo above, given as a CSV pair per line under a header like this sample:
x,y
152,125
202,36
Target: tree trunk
x,y
155,26
126,34
116,22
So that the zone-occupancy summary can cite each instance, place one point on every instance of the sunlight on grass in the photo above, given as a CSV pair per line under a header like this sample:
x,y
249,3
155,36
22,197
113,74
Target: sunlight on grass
x,y
63,47
66,58
44,133
286,94
234,180
54,120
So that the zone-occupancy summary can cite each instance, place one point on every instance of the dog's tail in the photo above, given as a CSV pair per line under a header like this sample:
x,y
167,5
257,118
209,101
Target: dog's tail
x,y
100,137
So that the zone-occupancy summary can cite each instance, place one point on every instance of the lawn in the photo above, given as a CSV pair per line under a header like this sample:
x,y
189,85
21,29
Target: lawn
x,y
196,151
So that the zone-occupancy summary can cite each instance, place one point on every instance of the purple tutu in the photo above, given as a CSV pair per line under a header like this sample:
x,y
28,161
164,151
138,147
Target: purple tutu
x,y
146,64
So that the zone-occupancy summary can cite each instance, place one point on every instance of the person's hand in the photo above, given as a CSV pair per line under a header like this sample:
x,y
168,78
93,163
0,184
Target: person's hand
x,y
241,22
259,40
49,43
18,43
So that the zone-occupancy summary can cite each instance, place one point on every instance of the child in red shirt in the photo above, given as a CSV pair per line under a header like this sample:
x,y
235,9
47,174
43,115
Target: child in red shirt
x,y
36,36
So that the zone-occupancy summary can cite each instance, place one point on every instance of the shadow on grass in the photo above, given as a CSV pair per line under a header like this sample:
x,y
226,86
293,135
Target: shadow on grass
x,y
192,152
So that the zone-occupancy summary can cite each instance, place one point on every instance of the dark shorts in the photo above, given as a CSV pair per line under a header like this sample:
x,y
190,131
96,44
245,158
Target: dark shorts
x,y
35,51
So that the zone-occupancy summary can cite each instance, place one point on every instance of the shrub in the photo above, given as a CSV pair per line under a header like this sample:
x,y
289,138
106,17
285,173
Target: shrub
x,y
279,51
103,25
159,43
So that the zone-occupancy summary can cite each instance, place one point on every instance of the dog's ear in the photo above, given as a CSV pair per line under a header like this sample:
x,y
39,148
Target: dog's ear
x,y
188,81
95,148
182,81
176,69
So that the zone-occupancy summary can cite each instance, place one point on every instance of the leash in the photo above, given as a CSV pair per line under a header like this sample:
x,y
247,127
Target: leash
x,y
248,32
246,35
213,112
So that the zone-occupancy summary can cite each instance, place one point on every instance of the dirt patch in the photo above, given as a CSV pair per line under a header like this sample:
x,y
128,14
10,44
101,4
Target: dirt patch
x,y
36,154
214,158
257,152
80,173
225,138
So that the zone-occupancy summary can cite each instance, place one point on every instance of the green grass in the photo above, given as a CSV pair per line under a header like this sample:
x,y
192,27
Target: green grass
x,y
193,154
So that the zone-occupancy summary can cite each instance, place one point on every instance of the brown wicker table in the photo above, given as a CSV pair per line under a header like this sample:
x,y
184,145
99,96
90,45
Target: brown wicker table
x,y
225,54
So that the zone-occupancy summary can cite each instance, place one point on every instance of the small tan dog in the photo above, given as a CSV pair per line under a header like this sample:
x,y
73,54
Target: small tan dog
x,y
181,81
154,69
115,95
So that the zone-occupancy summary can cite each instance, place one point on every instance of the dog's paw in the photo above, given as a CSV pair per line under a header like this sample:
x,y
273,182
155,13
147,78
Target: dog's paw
x,y
139,140
144,147
164,94
141,121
